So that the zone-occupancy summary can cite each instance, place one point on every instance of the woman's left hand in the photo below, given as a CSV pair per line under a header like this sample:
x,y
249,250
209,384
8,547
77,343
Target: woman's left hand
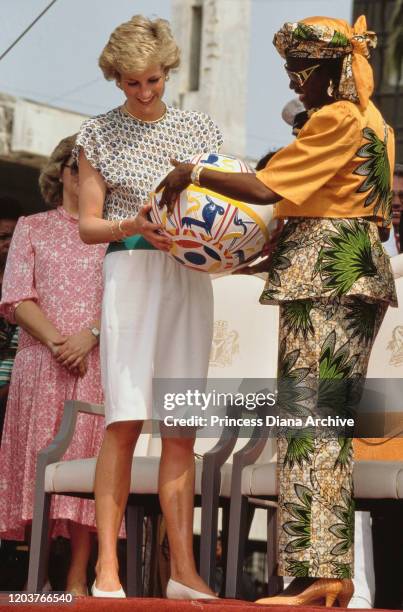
x,y
258,268
74,349
175,182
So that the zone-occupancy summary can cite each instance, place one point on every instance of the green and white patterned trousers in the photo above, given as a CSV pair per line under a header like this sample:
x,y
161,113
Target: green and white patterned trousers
x,y
320,340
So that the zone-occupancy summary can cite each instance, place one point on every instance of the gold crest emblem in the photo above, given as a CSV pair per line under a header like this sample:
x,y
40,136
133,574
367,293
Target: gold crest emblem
x,y
225,345
396,346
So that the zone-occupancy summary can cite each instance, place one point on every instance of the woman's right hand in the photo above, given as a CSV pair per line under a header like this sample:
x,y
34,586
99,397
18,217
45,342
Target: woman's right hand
x,y
53,340
152,232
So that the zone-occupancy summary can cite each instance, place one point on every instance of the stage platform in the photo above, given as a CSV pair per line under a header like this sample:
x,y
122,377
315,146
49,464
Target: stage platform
x,y
131,604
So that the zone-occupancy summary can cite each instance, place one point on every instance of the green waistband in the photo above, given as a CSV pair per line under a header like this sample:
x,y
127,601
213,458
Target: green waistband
x,y
131,243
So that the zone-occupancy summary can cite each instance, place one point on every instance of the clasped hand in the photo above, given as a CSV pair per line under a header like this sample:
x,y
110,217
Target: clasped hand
x,y
71,351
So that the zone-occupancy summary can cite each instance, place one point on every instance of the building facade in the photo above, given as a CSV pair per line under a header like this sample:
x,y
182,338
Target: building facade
x,y
214,39
29,131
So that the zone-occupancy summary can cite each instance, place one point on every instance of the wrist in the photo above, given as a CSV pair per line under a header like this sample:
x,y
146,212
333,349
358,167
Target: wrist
x,y
195,174
123,230
116,236
52,342
137,225
119,229
94,332
53,338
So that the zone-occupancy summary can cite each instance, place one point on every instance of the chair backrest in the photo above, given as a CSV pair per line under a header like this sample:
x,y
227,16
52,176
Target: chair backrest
x,y
245,332
245,338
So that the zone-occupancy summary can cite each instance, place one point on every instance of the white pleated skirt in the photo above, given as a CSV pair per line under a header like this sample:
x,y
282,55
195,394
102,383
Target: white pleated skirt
x,y
157,322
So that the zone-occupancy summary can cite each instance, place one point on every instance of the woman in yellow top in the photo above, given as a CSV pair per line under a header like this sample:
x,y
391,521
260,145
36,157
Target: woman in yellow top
x,y
332,279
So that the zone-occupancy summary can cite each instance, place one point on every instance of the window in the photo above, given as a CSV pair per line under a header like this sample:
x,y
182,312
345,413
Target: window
x,y
195,48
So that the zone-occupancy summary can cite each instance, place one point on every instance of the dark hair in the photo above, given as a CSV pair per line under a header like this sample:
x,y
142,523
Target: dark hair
x,y
10,208
263,161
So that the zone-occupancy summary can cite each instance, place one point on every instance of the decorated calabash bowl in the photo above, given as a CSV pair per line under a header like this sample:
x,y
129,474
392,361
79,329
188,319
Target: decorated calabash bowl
x,y
210,232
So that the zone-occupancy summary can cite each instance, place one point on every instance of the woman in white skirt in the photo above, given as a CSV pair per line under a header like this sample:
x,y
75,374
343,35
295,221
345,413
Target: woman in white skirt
x,y
157,315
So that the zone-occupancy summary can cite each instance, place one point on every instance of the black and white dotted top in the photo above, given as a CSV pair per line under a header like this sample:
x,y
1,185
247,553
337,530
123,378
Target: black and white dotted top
x,y
132,155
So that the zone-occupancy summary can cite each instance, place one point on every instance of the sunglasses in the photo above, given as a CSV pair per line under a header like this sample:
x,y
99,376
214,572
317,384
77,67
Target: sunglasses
x,y
301,77
72,165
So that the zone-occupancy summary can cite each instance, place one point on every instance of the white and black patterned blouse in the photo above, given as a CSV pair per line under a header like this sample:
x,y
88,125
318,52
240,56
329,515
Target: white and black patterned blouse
x,y
131,155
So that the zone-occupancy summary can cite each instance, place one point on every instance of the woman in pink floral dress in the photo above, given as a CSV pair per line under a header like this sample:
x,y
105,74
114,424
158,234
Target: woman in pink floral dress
x,y
52,288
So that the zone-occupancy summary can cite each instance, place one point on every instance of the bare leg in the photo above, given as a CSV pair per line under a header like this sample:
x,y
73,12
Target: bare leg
x,y
112,482
176,491
80,541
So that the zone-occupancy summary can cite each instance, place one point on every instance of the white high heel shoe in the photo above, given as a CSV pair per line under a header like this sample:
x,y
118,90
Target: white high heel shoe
x,y
114,594
177,590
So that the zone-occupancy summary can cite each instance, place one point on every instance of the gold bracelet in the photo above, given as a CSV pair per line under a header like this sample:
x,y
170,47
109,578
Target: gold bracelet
x,y
195,174
121,230
114,227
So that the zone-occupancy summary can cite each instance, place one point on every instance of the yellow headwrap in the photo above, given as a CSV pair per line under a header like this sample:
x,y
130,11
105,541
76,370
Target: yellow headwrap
x,y
324,37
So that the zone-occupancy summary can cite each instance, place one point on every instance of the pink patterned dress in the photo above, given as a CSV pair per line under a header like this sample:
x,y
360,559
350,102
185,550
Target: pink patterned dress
x,y
48,263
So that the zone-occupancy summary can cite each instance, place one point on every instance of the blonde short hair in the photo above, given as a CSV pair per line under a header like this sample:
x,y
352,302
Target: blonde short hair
x,y
137,44
49,180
